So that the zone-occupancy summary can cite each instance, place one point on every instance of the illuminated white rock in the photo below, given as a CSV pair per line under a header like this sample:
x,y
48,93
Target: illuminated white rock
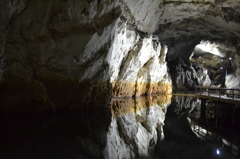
x,y
219,49
134,58
132,133
233,80
86,51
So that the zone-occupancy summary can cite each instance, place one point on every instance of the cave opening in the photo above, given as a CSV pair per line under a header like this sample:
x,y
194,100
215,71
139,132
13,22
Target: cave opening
x,y
200,61
217,58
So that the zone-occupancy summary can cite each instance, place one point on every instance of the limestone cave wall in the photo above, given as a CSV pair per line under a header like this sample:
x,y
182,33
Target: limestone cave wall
x,y
68,55
58,55
232,80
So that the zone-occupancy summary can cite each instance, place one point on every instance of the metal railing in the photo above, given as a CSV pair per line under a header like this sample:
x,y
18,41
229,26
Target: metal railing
x,y
226,92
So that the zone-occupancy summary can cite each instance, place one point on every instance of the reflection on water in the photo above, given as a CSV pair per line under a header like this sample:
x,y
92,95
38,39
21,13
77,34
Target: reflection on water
x,y
153,127
220,122
184,135
136,126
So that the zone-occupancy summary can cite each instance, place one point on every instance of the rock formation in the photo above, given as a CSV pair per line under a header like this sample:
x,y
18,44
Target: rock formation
x,y
233,80
136,125
216,58
186,74
68,55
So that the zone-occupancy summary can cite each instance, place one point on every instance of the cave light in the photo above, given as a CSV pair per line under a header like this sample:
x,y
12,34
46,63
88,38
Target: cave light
x,y
206,46
221,68
218,152
230,58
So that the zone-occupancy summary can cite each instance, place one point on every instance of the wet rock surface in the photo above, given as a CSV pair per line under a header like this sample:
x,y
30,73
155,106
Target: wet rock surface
x,y
41,43
114,47
81,53
186,74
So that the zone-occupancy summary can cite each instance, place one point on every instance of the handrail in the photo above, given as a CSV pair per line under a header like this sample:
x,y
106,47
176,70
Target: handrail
x,y
229,92
217,88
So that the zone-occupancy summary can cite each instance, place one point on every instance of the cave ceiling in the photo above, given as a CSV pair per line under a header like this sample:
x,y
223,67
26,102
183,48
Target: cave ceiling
x,y
184,24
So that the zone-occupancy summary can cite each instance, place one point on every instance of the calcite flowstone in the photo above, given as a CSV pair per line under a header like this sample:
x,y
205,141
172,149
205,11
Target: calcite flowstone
x,y
120,107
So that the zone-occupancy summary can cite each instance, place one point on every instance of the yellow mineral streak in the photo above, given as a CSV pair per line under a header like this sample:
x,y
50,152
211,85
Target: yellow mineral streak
x,y
129,89
133,105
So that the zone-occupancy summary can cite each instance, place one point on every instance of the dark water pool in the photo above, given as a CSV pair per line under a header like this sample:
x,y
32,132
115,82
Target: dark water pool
x,y
154,127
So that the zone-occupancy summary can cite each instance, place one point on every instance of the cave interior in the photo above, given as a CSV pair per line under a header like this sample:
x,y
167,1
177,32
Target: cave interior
x,y
59,55
110,68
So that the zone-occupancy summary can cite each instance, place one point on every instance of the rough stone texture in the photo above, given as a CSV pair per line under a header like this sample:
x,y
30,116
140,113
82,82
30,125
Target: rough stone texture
x,y
186,74
84,52
183,24
216,58
137,65
233,80
81,53
46,38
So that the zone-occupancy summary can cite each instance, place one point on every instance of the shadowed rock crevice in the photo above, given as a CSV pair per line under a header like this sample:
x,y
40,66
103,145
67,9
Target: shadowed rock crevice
x,y
186,74
45,38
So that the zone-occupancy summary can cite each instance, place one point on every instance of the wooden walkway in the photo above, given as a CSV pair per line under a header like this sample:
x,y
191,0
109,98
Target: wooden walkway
x,y
226,95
